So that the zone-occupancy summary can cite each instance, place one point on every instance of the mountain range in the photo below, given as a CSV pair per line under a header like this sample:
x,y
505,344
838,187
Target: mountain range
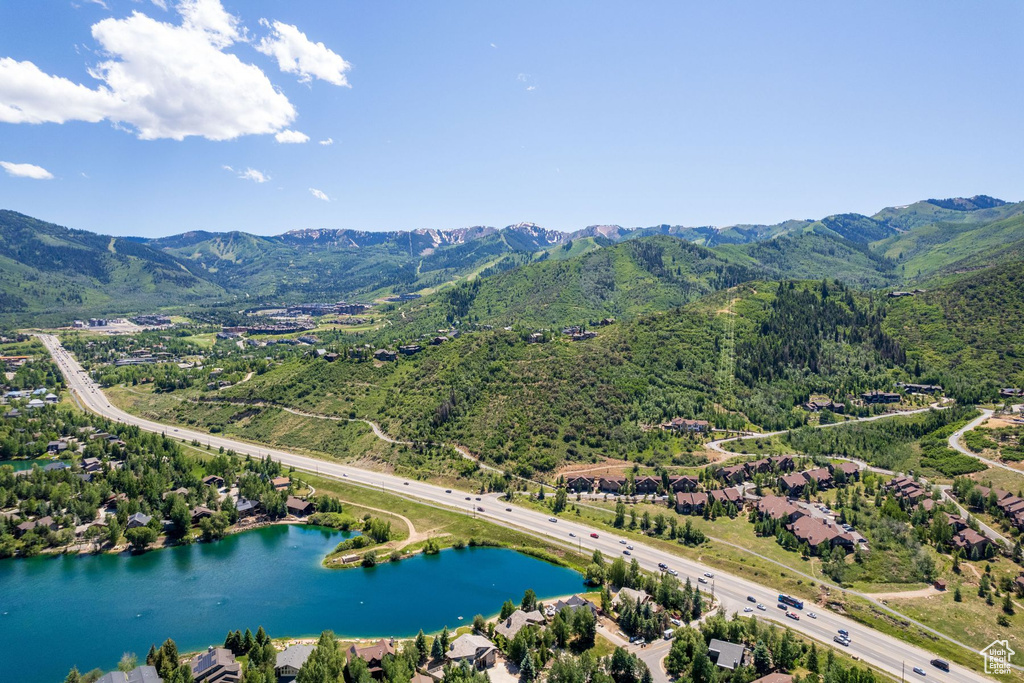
x,y
59,272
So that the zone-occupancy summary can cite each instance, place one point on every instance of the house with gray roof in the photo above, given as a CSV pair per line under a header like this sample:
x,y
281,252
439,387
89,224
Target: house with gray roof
x,y
517,621
290,661
141,674
138,519
725,654
475,650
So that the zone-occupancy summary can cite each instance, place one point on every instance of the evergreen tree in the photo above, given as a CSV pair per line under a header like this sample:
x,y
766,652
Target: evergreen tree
x,y
422,648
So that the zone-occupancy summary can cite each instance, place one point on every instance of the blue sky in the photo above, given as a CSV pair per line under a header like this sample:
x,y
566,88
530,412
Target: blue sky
x,y
128,118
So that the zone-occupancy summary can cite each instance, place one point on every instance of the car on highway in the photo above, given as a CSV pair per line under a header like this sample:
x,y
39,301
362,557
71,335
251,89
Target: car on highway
x,y
478,497
940,664
782,606
622,542
761,607
845,642
404,483
508,509
748,609
662,566
626,552
812,615
701,579
479,509
751,598
553,520
447,490
629,547
594,536
468,498
709,575
572,535
843,632
673,572
793,615
919,671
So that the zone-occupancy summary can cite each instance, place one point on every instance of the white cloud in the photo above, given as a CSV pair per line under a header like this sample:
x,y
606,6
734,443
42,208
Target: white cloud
x,y
522,78
291,137
210,17
494,46
249,174
327,142
100,3
531,88
318,194
162,80
297,54
162,4
26,171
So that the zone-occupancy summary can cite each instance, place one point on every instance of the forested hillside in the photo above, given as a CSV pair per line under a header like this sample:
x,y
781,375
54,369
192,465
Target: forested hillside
x,y
50,271
638,276
743,356
969,332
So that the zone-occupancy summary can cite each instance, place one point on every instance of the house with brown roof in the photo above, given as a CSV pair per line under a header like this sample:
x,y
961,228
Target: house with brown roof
x,y
849,469
872,397
680,424
213,480
643,485
691,502
385,355
816,533
794,483
579,484
783,463
201,512
777,507
683,483
611,484
972,543
774,678
822,476
731,495
299,507
732,475
373,655
281,483
757,466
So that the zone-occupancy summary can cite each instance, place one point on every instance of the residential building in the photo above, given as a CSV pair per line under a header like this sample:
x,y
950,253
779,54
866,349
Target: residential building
x,y
517,621
642,485
216,665
374,655
691,502
876,396
137,520
299,507
777,507
640,597
732,495
680,424
281,483
579,484
973,544
574,603
475,650
683,483
818,533
140,674
385,355
611,484
725,654
290,661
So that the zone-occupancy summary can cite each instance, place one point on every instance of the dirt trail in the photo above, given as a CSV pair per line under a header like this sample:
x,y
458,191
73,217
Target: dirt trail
x,y
926,592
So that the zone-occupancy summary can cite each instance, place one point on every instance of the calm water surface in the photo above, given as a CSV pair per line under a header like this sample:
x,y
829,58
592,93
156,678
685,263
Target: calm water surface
x,y
56,612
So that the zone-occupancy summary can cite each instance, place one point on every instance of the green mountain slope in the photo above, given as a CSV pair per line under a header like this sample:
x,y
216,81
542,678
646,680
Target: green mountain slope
x,y
815,255
50,271
946,246
748,354
969,331
637,276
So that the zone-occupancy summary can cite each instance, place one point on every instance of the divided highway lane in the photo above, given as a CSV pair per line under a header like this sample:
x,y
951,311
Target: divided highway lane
x,y
877,649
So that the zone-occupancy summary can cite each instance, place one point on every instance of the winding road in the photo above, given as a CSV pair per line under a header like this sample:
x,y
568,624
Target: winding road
x,y
877,649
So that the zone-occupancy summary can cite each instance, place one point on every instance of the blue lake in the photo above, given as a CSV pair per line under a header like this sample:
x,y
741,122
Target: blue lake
x,y
59,612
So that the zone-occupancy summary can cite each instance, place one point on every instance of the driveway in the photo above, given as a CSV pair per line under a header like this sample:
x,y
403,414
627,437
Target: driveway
x,y
652,656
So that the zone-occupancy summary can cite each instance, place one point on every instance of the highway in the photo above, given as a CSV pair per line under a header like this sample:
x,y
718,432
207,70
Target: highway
x,y
877,649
